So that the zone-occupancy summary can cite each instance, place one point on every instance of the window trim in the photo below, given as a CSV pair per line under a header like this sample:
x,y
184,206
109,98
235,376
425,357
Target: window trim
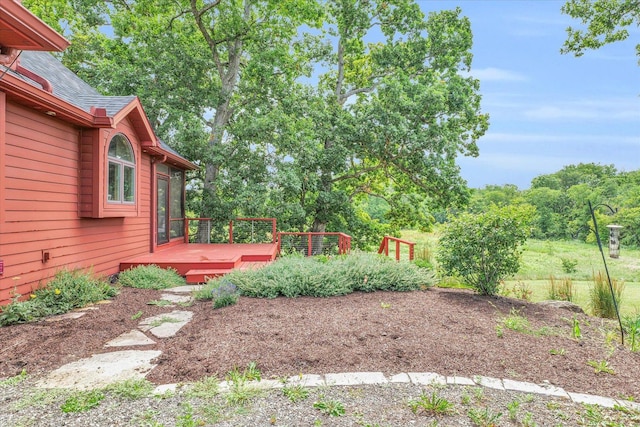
x,y
122,166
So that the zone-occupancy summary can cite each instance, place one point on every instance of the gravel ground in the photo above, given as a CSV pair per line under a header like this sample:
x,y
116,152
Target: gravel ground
x,y
370,405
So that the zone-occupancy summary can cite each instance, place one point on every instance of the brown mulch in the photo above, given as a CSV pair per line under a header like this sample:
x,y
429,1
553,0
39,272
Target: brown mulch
x,y
451,332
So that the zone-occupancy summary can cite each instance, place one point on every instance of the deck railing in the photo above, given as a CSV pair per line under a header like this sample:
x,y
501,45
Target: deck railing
x,y
309,243
384,246
239,230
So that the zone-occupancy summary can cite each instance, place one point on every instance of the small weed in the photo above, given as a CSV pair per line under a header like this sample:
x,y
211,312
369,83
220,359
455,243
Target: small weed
x,y
137,315
465,399
206,388
333,408
431,404
15,380
82,401
163,320
601,366
513,408
385,305
132,388
484,417
527,420
295,393
187,418
478,394
632,327
516,322
575,330
557,352
39,398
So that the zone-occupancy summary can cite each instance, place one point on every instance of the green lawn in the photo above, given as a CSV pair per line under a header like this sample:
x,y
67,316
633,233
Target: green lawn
x,y
542,259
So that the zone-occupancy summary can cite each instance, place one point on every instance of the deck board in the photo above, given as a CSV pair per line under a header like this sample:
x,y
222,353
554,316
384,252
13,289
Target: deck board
x,y
200,256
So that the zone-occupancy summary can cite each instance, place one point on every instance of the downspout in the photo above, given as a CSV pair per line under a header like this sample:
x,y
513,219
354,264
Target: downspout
x,y
46,85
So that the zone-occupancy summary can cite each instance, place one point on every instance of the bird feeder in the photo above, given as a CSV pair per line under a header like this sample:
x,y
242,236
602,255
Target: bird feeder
x,y
614,240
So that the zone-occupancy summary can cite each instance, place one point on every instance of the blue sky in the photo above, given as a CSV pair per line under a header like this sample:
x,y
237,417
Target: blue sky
x,y
547,110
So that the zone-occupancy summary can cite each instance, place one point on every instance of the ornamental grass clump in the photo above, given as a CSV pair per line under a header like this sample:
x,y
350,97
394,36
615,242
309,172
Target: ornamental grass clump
x,y
150,277
66,291
295,275
602,304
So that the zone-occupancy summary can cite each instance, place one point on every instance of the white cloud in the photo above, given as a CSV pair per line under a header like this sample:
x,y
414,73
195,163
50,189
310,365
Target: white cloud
x,y
497,74
587,109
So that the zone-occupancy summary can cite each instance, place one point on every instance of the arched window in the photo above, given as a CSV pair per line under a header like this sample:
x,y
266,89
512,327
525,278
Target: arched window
x,y
121,182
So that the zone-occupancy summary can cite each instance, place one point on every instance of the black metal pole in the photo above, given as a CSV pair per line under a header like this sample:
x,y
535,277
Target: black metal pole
x,y
604,261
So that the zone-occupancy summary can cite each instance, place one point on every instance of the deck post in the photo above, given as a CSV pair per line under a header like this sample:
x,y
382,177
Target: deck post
x,y
230,231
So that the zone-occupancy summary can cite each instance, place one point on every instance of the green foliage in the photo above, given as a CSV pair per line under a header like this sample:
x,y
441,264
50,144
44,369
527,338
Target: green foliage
x,y
601,366
295,393
82,401
631,326
206,388
150,277
135,388
604,21
66,291
431,404
224,293
484,248
561,290
293,276
15,380
333,408
484,417
569,265
601,302
576,333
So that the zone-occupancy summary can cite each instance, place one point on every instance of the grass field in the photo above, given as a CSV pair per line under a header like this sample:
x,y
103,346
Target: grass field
x,y
542,259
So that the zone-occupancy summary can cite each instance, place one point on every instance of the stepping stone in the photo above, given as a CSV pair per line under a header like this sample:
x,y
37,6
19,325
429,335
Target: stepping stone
x,y
184,289
130,338
100,370
166,325
66,316
176,298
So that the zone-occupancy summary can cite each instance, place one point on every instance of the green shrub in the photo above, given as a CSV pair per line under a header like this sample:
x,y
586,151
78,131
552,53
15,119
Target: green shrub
x,y
484,249
66,291
601,301
562,290
294,276
569,265
151,277
224,293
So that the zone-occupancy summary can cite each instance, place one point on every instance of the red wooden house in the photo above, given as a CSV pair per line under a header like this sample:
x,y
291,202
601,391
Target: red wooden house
x,y
84,181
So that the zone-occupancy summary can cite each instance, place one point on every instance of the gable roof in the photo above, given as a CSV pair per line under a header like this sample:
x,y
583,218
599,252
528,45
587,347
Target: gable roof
x,y
33,77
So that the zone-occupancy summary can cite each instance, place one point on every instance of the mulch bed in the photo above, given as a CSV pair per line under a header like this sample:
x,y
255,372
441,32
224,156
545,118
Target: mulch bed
x,y
451,332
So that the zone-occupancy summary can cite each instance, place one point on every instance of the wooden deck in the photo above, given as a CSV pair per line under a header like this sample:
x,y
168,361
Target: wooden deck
x,y
198,261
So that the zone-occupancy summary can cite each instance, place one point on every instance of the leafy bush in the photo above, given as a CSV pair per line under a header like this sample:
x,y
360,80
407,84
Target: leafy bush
x,y
484,248
569,265
294,276
601,301
561,291
66,291
151,277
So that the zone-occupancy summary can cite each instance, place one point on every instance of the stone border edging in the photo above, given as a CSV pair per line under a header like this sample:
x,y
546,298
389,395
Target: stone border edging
x,y
425,378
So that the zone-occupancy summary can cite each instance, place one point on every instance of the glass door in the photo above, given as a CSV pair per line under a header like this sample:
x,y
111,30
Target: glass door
x,y
162,214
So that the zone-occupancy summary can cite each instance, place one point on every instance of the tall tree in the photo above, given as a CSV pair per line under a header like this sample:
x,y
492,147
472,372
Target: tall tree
x,y
391,111
605,21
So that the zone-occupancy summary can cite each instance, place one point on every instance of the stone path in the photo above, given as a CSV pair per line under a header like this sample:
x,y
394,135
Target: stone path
x,y
103,369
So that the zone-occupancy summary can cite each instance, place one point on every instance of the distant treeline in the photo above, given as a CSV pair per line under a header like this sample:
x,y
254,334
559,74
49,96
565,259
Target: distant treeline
x,y
561,202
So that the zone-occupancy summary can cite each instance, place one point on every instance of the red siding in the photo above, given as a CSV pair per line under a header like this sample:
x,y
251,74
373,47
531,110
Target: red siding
x,y
48,166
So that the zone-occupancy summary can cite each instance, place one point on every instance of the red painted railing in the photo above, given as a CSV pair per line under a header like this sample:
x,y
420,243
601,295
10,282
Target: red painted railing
x,y
384,246
311,243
